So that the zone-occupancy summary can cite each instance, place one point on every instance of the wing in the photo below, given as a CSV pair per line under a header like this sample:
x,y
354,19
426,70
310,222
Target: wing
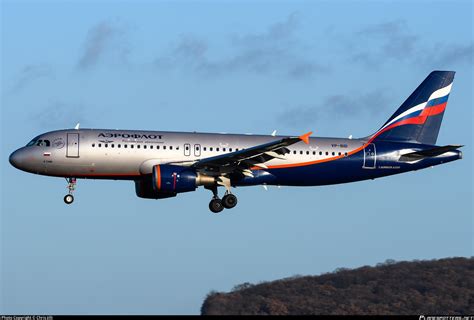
x,y
242,160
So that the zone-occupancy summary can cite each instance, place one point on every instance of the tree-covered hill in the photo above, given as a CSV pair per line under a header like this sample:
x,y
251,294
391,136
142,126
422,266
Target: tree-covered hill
x,y
443,286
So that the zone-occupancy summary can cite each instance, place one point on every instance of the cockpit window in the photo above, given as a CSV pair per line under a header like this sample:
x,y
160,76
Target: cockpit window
x,y
39,142
33,142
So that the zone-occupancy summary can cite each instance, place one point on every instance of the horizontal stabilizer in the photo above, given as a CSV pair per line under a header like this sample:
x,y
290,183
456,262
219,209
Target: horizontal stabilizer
x,y
418,155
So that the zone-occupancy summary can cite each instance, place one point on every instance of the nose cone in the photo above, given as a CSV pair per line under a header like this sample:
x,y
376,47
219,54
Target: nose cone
x,y
16,159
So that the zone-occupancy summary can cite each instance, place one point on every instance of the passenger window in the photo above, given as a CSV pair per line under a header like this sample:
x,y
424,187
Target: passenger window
x,y
345,154
320,153
314,153
205,148
301,151
151,147
294,151
230,149
131,146
100,145
217,149
210,149
125,146
307,152
118,146
171,147
106,145
339,153
223,149
93,145
138,146
157,147
327,153
112,145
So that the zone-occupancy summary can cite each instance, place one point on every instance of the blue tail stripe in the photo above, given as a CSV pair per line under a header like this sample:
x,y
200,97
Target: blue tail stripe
x,y
437,101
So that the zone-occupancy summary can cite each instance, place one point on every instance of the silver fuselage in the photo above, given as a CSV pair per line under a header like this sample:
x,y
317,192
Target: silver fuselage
x,y
128,154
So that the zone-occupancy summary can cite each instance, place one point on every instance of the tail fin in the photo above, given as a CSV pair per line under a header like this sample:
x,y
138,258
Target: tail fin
x,y
419,118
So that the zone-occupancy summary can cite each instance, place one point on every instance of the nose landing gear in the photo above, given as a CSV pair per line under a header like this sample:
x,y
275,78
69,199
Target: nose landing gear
x,y
69,198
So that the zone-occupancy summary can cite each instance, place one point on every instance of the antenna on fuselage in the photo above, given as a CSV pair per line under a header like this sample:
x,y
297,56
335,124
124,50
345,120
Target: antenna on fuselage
x,y
274,133
77,126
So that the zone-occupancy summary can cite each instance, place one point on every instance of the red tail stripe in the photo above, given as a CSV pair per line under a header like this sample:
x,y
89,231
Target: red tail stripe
x,y
421,119
434,110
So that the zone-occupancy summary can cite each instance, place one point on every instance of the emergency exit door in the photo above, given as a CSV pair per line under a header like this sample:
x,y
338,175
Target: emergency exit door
x,y
187,149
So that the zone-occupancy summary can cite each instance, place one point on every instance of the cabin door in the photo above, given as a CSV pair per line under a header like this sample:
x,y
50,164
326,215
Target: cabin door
x,y
370,156
72,150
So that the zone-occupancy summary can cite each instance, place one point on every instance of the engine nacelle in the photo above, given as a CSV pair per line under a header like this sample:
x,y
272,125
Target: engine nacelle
x,y
174,179
144,189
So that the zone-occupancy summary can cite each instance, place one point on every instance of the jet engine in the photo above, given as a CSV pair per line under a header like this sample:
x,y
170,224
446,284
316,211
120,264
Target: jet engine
x,y
174,179
168,180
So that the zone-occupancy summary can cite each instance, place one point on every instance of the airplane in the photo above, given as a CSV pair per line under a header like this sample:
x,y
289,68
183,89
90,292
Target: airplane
x,y
163,164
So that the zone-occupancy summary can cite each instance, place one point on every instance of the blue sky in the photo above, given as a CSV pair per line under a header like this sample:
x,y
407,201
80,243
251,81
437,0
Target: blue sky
x,y
336,67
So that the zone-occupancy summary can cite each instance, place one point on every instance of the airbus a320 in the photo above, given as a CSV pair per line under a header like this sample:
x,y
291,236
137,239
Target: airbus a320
x,y
164,164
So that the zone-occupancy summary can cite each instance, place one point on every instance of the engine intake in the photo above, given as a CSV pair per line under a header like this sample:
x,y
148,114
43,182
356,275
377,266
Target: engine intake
x,y
174,179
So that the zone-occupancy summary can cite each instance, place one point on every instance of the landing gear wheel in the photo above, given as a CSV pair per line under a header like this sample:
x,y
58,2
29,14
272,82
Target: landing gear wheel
x,y
68,199
216,205
71,186
229,201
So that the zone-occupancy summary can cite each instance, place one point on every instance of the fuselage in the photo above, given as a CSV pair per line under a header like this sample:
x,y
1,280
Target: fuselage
x,y
131,155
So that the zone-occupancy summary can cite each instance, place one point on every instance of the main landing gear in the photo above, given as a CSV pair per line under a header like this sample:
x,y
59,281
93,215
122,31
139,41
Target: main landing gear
x,y
69,198
217,205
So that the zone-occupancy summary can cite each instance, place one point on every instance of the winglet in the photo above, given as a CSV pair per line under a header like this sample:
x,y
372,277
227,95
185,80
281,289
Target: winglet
x,y
305,137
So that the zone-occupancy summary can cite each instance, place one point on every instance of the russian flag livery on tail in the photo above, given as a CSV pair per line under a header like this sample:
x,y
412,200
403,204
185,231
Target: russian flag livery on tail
x,y
164,164
419,118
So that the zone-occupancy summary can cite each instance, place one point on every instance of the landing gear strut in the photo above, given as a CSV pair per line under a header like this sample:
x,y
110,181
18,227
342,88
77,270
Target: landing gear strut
x,y
69,198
